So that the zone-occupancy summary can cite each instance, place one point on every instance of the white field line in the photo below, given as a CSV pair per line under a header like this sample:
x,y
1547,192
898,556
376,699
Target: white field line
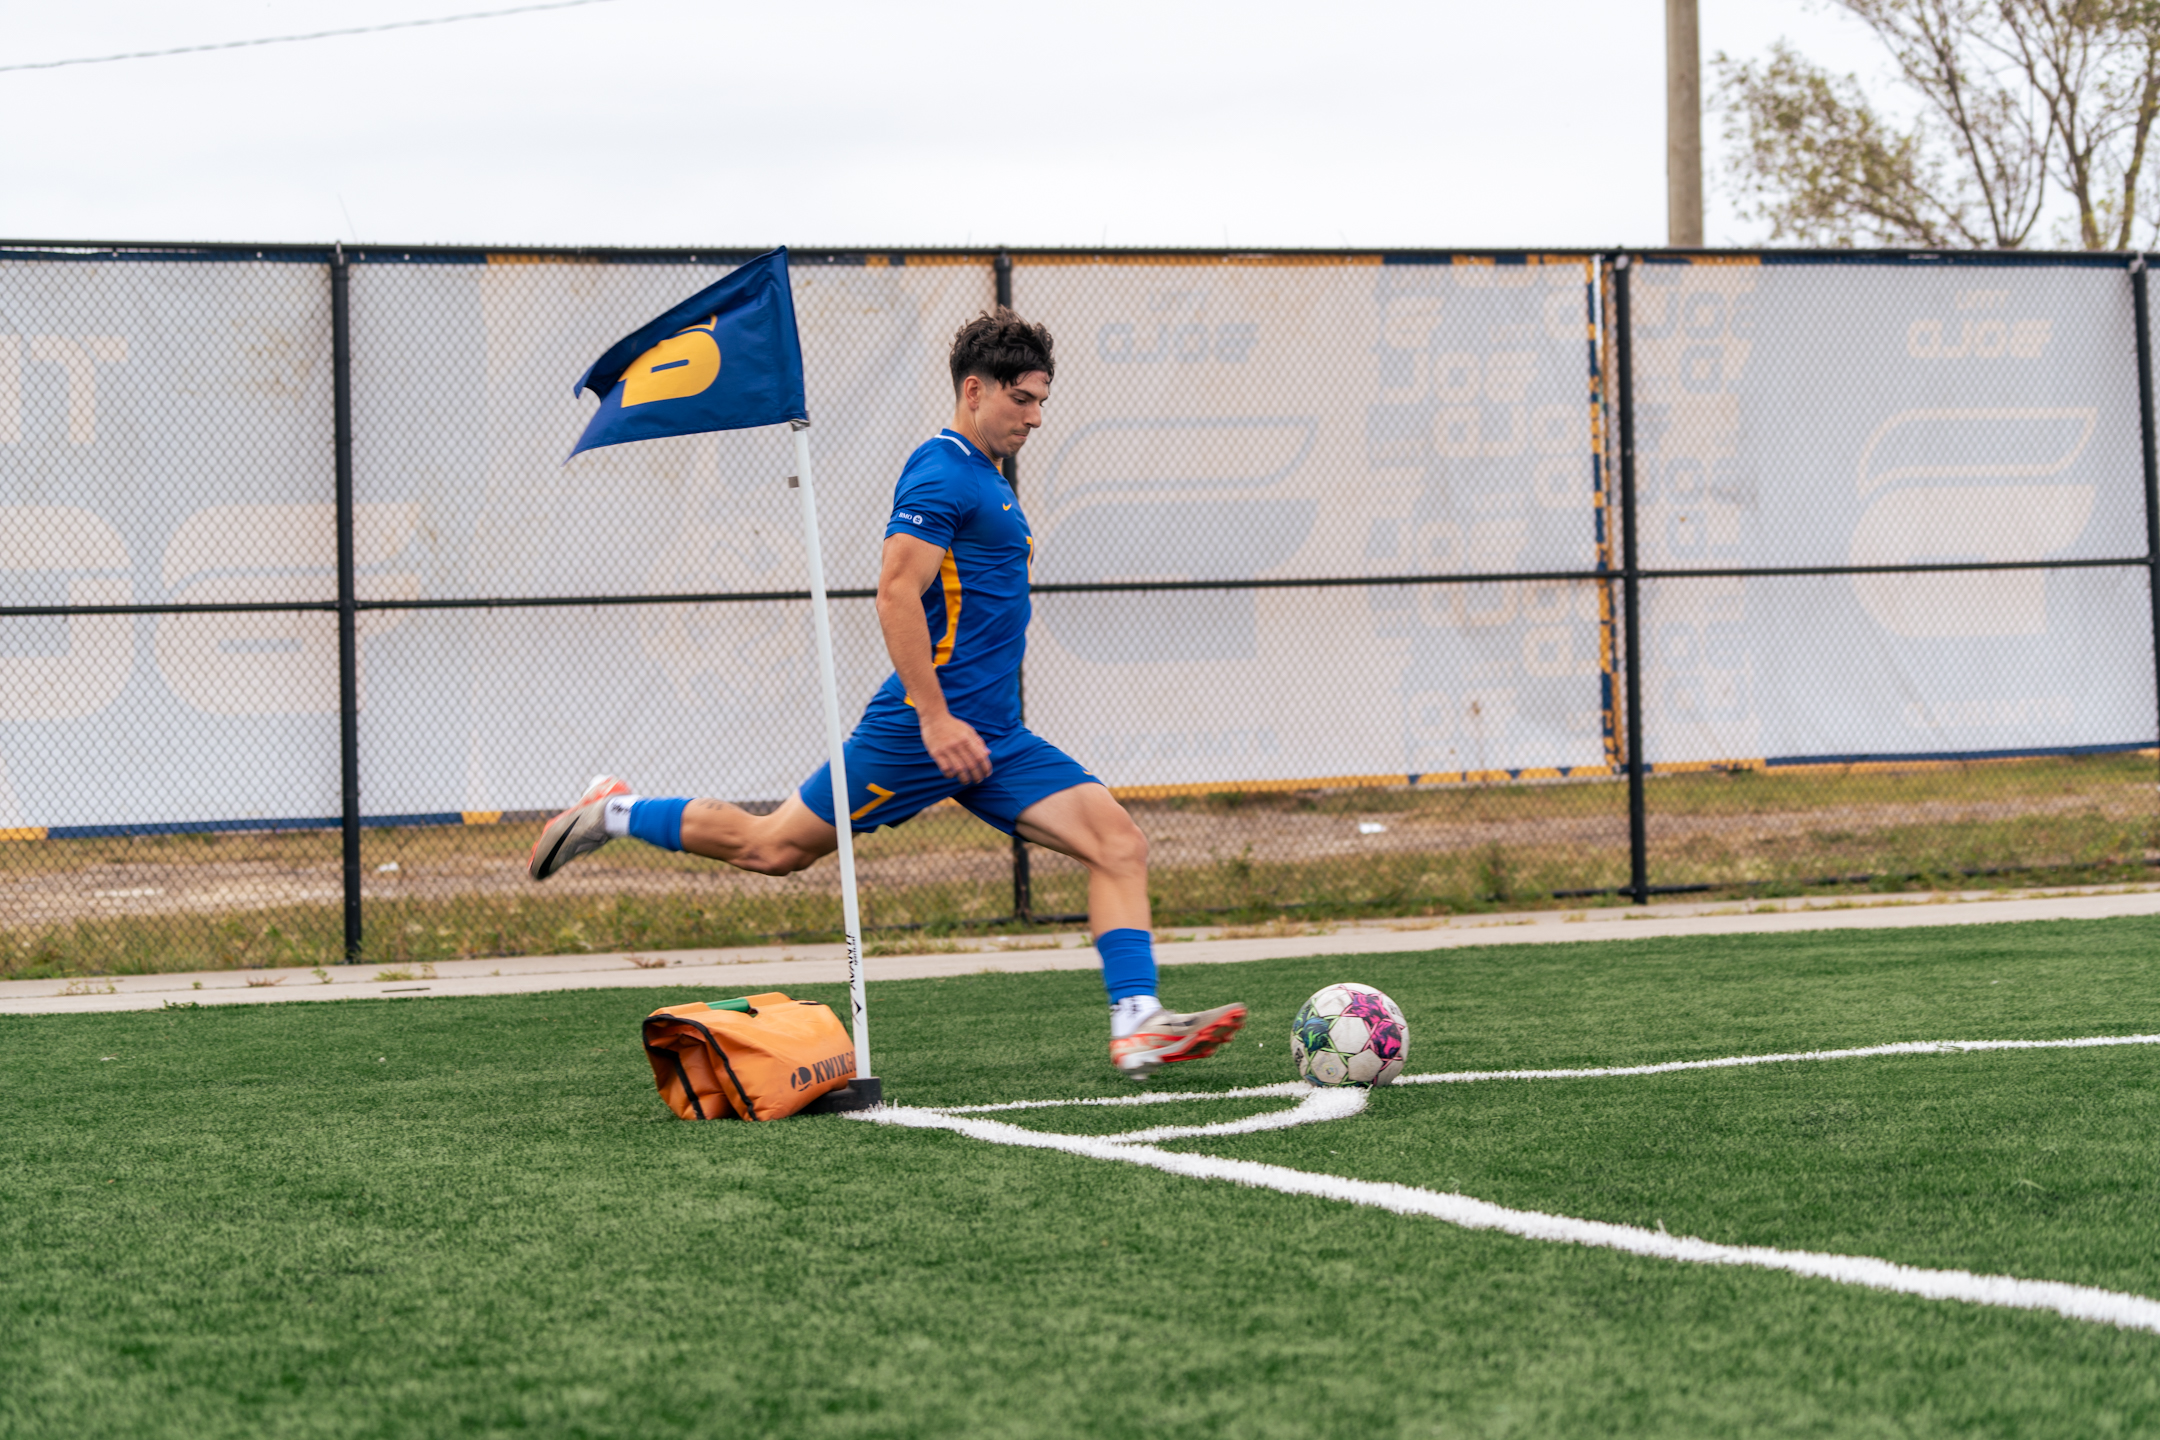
x,y
1152,1097
2077,1302
1318,1105
1459,1077
1909,1047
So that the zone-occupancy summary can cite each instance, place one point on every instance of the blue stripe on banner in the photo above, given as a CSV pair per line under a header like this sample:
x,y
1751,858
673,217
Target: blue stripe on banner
x,y
1512,257
2043,753
226,827
184,827
380,256
103,256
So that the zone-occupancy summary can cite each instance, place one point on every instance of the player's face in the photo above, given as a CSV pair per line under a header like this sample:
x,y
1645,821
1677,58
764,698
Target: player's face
x,y
1005,415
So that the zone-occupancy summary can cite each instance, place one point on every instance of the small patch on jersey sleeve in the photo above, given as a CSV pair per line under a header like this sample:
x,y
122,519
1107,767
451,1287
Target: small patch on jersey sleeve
x,y
931,501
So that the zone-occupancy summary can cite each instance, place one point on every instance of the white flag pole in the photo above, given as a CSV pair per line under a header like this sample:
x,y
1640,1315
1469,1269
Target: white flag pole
x,y
850,916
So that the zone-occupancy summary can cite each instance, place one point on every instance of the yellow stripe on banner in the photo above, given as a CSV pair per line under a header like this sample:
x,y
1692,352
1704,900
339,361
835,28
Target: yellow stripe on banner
x,y
1454,778
1722,259
480,817
26,832
1142,258
506,258
917,261
1704,767
1429,779
949,572
1247,787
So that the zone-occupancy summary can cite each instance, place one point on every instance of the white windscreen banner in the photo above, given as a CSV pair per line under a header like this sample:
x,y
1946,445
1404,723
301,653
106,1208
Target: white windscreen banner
x,y
165,436
1315,421
464,373
1887,414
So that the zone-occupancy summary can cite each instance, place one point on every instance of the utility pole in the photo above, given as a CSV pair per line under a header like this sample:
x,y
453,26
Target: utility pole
x,y
1683,126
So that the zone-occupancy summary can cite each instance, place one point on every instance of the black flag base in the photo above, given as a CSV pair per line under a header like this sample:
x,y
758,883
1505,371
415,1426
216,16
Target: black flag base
x,y
860,1093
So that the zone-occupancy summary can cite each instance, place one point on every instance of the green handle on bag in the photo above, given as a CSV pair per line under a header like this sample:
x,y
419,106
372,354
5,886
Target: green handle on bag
x,y
738,1004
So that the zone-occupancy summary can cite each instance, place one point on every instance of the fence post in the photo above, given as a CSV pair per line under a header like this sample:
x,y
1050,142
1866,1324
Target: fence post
x,y
1023,888
1630,582
347,615
2143,312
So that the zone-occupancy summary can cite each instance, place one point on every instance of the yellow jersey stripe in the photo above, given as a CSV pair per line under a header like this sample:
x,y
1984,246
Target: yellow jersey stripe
x,y
949,573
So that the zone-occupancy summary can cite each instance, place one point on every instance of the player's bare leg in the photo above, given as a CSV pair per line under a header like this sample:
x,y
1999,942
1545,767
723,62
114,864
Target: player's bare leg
x,y
791,838
1087,823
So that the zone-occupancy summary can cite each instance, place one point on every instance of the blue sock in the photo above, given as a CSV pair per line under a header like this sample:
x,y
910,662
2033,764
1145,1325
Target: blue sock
x,y
658,822
1128,963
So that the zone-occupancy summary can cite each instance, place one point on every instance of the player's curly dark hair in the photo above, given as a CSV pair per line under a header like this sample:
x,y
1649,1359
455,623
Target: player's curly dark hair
x,y
1000,347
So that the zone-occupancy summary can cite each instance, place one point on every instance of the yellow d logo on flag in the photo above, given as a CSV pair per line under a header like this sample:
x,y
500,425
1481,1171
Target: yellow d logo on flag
x,y
747,319
684,364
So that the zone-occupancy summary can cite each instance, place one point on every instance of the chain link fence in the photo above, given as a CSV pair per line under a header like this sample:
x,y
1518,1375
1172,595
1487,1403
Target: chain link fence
x,y
1374,584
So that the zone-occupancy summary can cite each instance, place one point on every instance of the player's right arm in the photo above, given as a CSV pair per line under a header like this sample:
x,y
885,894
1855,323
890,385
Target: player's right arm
x,y
909,567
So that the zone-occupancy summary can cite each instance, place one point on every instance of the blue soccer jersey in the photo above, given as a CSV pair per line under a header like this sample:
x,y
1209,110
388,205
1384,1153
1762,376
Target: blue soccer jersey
x,y
951,495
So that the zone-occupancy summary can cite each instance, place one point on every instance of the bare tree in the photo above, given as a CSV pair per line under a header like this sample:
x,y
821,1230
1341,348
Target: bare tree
x,y
2013,95
2095,66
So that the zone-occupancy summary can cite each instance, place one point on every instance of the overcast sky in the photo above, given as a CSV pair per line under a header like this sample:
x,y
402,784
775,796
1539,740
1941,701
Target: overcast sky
x,y
866,122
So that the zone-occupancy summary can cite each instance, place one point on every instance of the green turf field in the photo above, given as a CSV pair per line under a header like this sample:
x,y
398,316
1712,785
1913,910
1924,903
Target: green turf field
x,y
473,1217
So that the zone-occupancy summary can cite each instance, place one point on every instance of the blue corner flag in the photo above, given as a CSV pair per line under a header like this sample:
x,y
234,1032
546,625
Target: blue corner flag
x,y
727,358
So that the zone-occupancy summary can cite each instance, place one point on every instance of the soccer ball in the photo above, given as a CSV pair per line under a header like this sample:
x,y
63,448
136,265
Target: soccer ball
x,y
1350,1035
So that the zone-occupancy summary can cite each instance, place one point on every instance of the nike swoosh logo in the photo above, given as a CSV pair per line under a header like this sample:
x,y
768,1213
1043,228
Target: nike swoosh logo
x,y
556,849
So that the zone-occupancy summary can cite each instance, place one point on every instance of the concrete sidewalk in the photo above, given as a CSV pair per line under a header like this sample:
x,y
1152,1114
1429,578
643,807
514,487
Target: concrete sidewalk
x,y
749,970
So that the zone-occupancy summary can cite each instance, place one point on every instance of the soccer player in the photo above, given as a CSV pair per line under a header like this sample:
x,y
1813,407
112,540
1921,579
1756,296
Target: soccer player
x,y
953,603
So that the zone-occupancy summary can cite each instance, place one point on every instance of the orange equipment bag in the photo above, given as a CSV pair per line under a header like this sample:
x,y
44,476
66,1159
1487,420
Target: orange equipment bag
x,y
761,1057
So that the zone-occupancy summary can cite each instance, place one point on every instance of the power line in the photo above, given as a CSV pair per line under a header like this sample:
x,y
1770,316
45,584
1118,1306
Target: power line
x,y
315,35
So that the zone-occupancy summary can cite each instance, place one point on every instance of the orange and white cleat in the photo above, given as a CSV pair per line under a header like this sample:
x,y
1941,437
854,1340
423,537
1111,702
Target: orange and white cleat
x,y
580,830
1166,1038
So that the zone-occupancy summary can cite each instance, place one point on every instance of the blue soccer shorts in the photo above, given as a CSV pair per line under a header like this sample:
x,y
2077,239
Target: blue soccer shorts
x,y
891,779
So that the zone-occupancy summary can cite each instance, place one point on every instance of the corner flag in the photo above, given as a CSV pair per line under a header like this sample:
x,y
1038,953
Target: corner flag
x,y
727,358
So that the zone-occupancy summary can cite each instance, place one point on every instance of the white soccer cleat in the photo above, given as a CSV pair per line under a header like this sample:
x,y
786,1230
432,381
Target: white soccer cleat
x,y
1166,1038
580,830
